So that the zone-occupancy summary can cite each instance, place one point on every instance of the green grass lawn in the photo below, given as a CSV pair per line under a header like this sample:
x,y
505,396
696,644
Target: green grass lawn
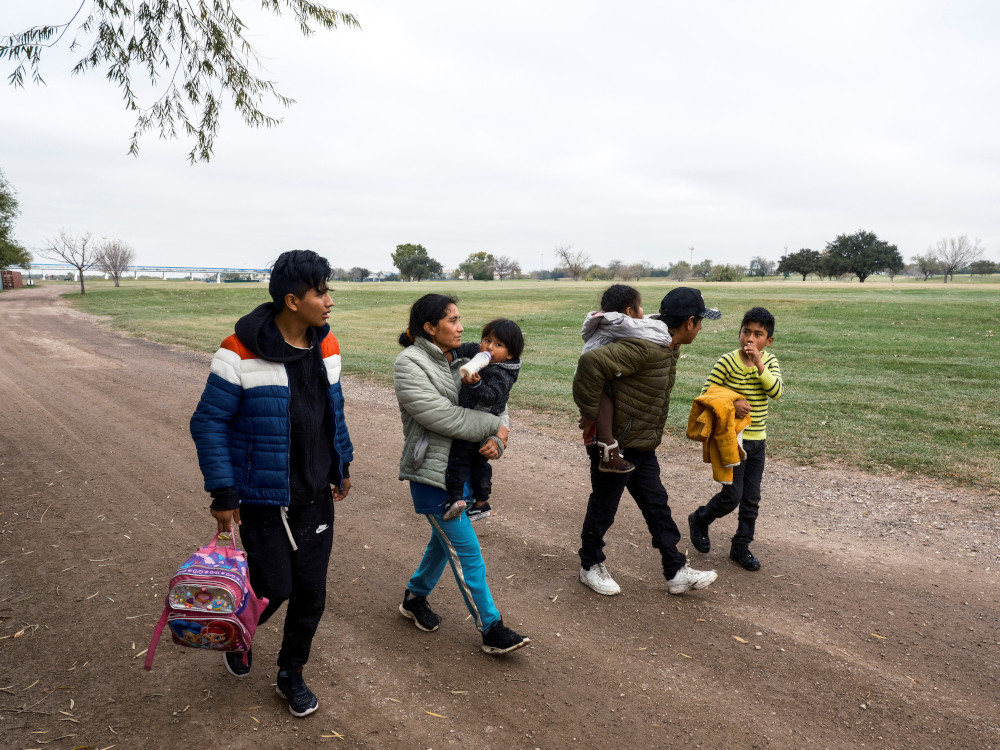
x,y
899,376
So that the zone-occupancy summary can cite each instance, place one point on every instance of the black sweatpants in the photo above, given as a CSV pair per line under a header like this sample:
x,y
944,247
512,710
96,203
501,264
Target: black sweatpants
x,y
296,576
649,494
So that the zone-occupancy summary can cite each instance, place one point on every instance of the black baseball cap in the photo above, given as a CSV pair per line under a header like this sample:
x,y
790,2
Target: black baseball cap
x,y
684,302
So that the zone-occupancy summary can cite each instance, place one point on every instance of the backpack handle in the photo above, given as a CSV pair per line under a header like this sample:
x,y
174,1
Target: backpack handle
x,y
232,540
228,550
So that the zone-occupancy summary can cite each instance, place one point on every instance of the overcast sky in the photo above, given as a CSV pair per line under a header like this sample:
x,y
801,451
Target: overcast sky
x,y
631,131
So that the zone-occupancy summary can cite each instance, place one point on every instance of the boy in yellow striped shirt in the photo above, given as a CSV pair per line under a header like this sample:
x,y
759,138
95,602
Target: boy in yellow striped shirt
x,y
754,374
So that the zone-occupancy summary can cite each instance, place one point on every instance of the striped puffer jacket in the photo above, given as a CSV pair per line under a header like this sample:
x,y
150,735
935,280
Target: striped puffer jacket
x,y
241,427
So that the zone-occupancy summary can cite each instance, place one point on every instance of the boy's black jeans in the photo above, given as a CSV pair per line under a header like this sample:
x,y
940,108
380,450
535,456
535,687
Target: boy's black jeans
x,y
281,574
743,493
649,494
466,462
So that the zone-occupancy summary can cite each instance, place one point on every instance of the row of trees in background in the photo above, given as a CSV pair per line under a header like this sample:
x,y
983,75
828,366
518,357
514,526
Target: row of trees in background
x,y
414,263
863,254
860,255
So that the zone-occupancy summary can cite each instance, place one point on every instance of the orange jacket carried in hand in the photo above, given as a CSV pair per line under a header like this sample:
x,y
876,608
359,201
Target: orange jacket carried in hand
x,y
713,423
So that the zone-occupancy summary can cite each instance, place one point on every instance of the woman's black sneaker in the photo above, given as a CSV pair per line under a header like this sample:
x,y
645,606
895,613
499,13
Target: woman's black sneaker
x,y
500,639
417,609
291,687
234,663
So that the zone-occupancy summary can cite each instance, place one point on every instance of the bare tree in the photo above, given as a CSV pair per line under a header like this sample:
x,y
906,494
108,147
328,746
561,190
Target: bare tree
x,y
506,267
955,253
575,263
114,257
76,251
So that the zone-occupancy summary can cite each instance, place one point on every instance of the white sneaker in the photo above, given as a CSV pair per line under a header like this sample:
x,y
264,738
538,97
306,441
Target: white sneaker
x,y
688,578
599,579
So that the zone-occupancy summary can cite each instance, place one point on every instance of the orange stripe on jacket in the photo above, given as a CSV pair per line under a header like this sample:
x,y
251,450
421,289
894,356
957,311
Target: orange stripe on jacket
x,y
233,344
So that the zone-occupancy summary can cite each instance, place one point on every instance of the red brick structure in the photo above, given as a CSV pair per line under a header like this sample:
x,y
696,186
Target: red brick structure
x,y
11,279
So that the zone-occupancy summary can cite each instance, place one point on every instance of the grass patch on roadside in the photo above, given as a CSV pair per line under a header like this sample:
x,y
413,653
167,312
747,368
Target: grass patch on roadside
x,y
877,375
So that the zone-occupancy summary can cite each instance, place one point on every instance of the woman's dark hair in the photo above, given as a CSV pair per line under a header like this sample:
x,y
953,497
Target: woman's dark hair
x,y
296,272
620,297
430,308
508,333
761,316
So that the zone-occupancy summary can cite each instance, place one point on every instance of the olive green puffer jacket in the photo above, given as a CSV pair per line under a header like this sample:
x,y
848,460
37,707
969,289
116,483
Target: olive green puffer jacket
x,y
640,376
427,391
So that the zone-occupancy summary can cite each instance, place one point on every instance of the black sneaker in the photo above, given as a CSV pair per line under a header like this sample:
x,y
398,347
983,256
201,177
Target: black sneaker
x,y
417,609
741,553
234,663
699,533
500,639
477,512
291,687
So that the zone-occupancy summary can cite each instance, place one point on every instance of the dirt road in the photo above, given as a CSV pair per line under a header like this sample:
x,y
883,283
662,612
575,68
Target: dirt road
x,y
873,622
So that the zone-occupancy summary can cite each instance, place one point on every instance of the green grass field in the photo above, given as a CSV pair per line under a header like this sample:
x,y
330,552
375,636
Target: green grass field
x,y
881,376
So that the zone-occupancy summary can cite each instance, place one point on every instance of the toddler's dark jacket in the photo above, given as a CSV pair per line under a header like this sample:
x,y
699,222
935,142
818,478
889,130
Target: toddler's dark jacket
x,y
495,381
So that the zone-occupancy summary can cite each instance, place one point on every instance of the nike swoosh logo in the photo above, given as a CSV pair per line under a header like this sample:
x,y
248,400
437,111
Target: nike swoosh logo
x,y
322,528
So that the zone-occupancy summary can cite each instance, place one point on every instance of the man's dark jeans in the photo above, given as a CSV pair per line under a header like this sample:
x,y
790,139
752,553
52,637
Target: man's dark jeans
x,y
649,494
743,493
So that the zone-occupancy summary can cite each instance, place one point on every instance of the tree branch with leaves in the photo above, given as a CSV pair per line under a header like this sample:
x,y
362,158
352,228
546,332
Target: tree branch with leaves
x,y
196,50
12,253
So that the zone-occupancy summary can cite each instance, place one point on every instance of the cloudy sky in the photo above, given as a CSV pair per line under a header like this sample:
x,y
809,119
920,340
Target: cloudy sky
x,y
631,131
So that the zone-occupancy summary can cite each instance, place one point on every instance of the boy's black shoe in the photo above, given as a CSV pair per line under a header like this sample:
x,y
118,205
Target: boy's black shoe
x,y
699,533
500,639
291,687
417,609
741,553
234,663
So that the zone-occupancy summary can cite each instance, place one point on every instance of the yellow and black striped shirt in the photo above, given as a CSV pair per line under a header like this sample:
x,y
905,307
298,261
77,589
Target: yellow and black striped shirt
x,y
730,372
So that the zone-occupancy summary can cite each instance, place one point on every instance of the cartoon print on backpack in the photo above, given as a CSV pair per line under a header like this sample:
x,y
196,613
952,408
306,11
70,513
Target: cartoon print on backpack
x,y
216,635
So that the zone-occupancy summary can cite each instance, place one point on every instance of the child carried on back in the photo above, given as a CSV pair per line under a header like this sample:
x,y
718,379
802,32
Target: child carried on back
x,y
486,390
620,317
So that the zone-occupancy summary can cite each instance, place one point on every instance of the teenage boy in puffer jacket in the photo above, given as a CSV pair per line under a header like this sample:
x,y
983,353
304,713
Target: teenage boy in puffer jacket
x,y
275,452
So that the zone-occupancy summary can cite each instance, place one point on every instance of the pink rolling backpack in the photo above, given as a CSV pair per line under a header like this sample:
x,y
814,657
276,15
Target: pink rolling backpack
x,y
211,604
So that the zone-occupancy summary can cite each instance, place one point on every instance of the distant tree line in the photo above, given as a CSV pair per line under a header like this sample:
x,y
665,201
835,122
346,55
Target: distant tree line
x,y
861,254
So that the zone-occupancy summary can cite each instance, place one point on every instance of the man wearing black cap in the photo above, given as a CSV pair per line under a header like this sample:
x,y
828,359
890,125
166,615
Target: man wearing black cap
x,y
638,375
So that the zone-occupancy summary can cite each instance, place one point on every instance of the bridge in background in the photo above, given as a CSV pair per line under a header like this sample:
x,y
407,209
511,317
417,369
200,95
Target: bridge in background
x,y
189,271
